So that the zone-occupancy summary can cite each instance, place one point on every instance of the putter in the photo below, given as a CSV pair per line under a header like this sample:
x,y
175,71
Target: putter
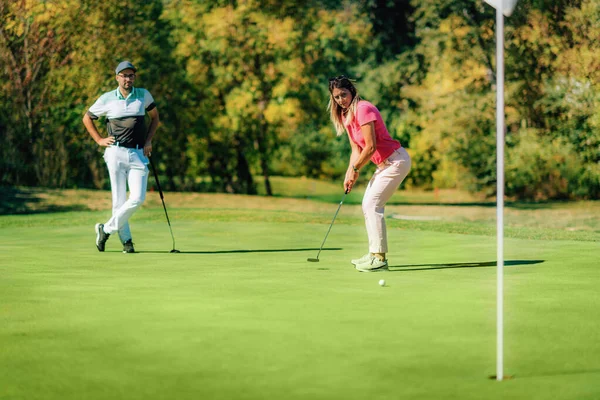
x,y
327,234
162,198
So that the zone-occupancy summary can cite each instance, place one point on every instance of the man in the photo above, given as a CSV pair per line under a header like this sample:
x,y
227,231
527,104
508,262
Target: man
x,y
128,146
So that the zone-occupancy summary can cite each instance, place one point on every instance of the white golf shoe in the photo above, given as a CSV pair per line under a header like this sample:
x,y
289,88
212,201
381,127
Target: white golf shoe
x,y
373,264
361,260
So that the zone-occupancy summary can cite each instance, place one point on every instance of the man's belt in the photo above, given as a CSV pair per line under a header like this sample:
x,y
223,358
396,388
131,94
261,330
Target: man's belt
x,y
128,145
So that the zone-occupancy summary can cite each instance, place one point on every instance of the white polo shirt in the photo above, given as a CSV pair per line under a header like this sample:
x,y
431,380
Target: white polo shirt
x,y
124,115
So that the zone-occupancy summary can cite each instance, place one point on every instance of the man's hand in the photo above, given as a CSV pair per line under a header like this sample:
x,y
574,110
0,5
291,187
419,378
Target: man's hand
x,y
148,149
107,141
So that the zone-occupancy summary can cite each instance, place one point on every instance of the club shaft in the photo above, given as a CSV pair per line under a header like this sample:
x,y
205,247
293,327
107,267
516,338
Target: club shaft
x,y
330,225
162,199
168,222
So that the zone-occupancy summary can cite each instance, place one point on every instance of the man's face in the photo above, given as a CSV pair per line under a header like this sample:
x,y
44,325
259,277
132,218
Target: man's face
x,y
126,78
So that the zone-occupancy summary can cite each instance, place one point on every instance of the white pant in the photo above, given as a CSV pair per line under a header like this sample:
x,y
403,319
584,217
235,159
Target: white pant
x,y
125,167
383,184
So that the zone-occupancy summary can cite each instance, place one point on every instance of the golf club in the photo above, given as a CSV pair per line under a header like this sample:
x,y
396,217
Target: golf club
x,y
163,203
327,234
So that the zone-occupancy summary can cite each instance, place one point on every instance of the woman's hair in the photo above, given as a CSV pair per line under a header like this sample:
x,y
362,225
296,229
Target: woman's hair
x,y
336,112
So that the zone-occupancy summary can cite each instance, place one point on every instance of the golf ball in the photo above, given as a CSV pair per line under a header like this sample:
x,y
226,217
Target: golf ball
x,y
382,282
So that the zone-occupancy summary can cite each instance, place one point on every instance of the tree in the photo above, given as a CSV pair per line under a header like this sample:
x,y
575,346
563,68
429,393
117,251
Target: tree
x,y
252,65
33,42
57,58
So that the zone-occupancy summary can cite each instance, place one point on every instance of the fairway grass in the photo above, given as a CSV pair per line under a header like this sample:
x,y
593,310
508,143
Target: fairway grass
x,y
240,314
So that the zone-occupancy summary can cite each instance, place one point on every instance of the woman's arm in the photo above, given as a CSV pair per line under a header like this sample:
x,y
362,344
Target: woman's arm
x,y
360,157
368,131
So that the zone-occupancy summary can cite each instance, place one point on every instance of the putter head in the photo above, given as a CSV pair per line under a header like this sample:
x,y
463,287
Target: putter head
x,y
175,251
312,259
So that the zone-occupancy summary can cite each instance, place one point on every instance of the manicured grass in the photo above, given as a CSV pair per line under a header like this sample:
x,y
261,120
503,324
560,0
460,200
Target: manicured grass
x,y
240,314
443,211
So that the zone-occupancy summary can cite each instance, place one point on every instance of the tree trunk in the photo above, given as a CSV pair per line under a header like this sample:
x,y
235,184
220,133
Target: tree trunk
x,y
244,176
265,169
264,160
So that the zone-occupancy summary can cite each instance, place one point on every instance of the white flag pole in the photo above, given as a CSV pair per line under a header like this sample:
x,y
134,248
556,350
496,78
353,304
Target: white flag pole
x,y
500,190
503,7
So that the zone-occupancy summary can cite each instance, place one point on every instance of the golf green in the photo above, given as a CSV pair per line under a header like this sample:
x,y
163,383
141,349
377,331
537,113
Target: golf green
x,y
241,314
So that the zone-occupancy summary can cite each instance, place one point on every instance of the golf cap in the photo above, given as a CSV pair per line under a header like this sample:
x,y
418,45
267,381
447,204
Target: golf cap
x,y
124,65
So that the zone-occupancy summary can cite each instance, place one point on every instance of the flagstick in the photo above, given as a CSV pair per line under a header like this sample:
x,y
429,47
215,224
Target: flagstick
x,y
500,189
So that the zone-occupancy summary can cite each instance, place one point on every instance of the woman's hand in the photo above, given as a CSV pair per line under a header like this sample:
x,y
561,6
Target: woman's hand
x,y
350,180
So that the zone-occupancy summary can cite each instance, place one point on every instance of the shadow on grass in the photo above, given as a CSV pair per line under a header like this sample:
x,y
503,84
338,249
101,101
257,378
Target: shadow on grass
x,y
243,251
559,373
28,201
423,267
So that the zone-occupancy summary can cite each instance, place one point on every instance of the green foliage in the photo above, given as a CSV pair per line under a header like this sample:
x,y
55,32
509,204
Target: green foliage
x,y
552,163
252,66
551,87
58,57
571,111
34,40
308,150
241,88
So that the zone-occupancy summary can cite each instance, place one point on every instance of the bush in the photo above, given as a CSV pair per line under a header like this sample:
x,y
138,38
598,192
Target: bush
x,y
541,169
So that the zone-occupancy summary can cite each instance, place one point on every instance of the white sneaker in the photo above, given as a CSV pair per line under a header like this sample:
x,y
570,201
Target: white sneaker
x,y
373,264
361,260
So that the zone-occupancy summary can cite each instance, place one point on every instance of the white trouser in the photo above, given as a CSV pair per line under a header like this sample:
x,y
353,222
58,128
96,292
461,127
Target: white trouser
x,y
125,167
381,187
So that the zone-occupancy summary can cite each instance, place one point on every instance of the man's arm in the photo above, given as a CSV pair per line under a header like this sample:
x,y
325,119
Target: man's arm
x,y
151,131
91,128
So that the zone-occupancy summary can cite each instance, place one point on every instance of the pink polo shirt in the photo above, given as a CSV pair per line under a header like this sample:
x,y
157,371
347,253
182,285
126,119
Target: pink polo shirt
x,y
385,145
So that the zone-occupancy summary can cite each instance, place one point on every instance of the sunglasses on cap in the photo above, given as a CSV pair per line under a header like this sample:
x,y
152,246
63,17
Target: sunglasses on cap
x,y
338,78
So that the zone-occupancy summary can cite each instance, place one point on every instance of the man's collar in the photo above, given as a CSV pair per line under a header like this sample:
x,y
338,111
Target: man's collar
x,y
120,95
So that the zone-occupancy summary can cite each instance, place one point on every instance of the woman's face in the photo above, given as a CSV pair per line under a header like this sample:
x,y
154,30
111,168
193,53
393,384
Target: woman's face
x,y
342,97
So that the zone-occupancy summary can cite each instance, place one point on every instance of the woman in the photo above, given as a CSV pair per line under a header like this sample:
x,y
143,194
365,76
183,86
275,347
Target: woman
x,y
370,141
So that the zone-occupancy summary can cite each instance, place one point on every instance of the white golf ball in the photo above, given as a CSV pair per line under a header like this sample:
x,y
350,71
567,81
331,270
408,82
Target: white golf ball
x,y
382,282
